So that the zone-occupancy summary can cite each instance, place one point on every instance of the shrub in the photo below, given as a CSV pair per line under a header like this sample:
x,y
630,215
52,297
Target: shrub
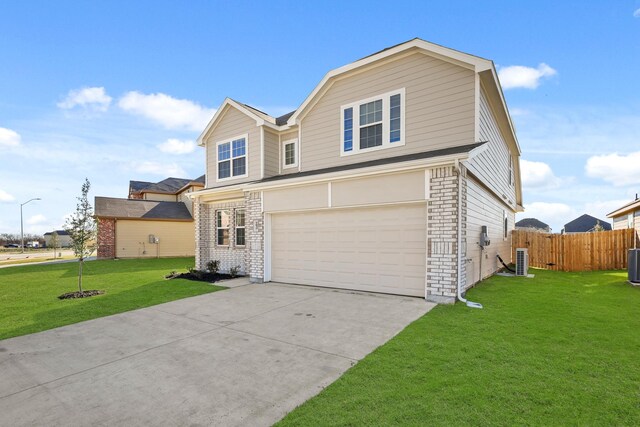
x,y
233,271
213,266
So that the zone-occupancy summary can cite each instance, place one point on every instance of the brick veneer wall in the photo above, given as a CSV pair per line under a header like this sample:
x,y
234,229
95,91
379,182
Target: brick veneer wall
x,y
442,238
106,238
255,236
206,248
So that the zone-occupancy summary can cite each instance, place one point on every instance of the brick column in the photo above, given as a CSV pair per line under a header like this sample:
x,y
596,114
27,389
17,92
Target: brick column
x,y
255,237
442,237
204,233
106,238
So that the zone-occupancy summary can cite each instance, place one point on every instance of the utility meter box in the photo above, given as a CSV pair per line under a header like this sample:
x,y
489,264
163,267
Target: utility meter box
x,y
484,237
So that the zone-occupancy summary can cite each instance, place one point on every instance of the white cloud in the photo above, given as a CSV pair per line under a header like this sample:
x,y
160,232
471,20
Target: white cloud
x,y
155,168
6,197
36,219
9,138
519,76
170,112
636,13
616,169
89,98
176,146
537,175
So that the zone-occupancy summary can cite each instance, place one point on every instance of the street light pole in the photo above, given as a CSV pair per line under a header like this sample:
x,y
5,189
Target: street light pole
x,y
21,227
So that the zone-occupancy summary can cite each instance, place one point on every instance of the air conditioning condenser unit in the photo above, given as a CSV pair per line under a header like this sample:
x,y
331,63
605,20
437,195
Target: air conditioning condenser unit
x,y
522,261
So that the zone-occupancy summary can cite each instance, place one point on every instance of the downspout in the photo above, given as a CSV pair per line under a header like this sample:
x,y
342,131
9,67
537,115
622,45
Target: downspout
x,y
458,167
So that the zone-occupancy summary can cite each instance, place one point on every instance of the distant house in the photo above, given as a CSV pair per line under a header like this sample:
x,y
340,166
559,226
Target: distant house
x,y
156,220
585,224
64,239
532,224
627,216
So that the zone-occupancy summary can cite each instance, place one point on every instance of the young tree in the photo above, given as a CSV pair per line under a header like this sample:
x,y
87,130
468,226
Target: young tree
x,y
82,229
55,242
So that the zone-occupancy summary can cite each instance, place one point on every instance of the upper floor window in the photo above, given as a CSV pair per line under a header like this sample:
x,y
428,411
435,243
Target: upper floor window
x,y
510,170
630,220
232,158
373,123
290,153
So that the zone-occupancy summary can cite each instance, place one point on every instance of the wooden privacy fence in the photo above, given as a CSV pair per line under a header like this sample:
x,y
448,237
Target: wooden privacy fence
x,y
603,250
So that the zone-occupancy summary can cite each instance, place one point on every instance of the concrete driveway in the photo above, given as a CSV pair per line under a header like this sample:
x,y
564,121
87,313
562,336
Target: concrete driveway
x,y
243,356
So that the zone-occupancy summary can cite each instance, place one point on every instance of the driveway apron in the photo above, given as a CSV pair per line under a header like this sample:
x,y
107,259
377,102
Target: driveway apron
x,y
243,356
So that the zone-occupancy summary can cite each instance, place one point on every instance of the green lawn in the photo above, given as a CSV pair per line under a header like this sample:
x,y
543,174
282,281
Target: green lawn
x,y
560,349
28,294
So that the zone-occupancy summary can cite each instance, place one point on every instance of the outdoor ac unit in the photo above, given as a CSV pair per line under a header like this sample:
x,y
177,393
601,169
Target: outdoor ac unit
x,y
634,265
522,261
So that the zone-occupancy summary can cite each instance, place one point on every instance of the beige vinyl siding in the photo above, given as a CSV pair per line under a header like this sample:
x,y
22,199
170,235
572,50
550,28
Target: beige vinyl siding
x,y
160,197
492,165
384,189
621,222
439,109
271,153
233,124
176,238
484,209
183,197
297,198
288,136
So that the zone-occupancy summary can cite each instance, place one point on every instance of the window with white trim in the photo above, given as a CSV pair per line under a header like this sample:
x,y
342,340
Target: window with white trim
x,y
222,227
630,220
511,170
373,124
232,158
240,227
289,153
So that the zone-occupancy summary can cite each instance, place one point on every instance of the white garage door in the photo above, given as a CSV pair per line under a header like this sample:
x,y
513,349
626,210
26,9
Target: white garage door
x,y
379,249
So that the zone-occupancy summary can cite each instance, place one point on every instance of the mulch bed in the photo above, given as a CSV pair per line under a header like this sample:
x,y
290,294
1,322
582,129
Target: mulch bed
x,y
201,276
83,294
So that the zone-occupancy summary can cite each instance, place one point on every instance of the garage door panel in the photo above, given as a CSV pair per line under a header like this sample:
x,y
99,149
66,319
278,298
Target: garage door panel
x,y
379,249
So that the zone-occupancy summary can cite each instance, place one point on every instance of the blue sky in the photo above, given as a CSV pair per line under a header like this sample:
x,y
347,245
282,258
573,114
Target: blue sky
x,y
119,90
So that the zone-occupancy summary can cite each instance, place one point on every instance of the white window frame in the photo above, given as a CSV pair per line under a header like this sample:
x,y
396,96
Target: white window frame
x,y
284,153
228,228
631,220
511,180
386,127
236,227
246,156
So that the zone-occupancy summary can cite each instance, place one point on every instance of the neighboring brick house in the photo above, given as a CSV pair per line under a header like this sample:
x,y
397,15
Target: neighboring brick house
x,y
382,180
156,220
586,224
532,224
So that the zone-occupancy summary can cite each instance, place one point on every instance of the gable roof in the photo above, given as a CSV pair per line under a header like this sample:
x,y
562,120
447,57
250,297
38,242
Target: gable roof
x,y
532,223
584,224
631,206
109,207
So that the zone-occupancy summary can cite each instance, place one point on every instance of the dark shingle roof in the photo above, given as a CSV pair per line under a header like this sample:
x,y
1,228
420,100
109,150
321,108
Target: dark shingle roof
x,y
282,120
532,223
200,179
108,207
139,185
398,159
169,185
584,224
60,233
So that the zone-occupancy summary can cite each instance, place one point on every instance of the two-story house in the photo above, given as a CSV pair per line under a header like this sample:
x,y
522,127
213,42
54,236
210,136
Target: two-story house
x,y
382,180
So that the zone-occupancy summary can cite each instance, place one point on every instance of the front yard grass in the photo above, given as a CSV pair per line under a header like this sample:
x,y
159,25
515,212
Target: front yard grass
x,y
29,294
560,349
